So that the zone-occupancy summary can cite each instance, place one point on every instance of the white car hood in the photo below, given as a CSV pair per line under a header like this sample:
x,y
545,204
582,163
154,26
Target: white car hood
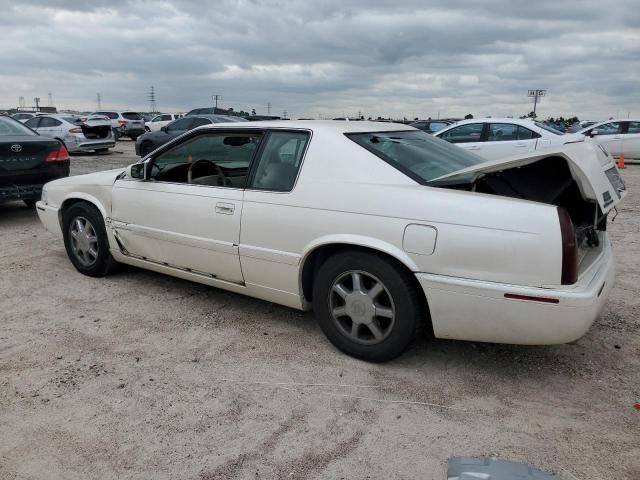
x,y
105,178
587,162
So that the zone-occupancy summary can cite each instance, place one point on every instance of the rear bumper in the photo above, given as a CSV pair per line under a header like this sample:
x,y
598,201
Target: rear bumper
x,y
49,218
478,311
20,192
91,145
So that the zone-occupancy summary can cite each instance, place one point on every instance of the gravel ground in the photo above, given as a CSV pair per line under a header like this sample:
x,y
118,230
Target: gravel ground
x,y
140,376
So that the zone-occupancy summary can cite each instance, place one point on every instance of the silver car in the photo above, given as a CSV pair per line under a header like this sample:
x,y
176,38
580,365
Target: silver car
x,y
93,134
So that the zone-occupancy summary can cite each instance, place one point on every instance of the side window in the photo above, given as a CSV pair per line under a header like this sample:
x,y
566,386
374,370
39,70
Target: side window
x,y
502,132
280,161
180,125
526,134
32,122
208,159
49,122
634,127
611,128
163,118
464,133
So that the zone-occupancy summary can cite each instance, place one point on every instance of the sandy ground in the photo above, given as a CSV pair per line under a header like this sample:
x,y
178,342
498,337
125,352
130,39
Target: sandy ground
x,y
140,376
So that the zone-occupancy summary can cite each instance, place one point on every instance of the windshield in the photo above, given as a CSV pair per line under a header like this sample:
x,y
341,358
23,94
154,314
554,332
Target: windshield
x,y
419,155
548,128
9,126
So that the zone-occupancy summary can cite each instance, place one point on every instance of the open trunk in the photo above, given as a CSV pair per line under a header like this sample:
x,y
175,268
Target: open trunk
x,y
94,129
581,181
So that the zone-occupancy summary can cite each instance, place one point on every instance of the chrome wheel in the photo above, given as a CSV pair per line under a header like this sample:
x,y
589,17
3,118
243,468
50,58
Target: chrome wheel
x,y
362,308
84,241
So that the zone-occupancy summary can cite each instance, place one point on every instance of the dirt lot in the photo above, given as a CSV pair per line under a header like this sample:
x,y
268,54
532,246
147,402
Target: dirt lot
x,y
140,376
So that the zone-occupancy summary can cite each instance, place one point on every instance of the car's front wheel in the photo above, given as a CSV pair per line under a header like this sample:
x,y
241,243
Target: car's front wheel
x,y
85,239
367,305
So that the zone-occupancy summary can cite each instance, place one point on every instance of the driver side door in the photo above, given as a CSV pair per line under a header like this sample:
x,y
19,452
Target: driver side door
x,y
186,215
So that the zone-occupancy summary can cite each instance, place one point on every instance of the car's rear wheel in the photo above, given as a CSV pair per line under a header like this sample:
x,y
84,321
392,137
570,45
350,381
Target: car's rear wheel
x,y
367,305
146,148
85,239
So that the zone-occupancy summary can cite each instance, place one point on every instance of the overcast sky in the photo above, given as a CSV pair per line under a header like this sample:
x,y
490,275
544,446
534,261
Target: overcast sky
x,y
326,57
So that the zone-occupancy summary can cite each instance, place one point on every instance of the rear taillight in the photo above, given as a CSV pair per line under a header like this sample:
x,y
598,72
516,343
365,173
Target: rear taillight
x,y
75,130
59,155
123,122
569,248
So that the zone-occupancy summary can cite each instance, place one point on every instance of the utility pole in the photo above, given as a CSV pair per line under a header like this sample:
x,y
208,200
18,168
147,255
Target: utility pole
x,y
50,100
21,103
268,108
152,100
37,102
99,98
216,97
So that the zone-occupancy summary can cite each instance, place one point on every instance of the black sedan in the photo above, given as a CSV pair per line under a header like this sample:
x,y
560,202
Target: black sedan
x,y
27,162
147,143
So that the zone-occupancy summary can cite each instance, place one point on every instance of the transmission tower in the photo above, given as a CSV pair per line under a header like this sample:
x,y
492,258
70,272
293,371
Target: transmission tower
x,y
152,100
215,98
21,102
49,99
99,98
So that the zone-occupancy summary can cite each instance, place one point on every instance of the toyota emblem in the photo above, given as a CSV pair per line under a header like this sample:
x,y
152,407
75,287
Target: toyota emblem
x,y
16,148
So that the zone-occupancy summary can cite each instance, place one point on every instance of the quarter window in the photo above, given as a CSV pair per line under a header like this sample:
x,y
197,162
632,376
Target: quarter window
x,y
33,122
280,161
178,125
211,159
49,122
526,134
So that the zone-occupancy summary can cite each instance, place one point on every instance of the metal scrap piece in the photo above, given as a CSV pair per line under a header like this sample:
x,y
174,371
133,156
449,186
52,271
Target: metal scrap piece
x,y
490,468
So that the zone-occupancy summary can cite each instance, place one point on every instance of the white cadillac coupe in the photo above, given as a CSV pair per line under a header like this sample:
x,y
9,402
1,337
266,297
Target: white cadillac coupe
x,y
380,228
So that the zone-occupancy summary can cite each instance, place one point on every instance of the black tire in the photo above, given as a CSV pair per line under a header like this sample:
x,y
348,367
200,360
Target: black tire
x,y
116,135
133,137
103,262
146,148
407,305
30,202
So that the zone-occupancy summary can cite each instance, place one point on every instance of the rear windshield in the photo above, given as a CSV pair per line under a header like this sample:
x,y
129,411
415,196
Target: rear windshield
x,y
546,127
9,126
72,119
417,154
132,116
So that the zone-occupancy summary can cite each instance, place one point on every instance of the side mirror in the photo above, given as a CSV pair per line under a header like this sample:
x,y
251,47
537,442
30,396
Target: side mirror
x,y
594,132
136,171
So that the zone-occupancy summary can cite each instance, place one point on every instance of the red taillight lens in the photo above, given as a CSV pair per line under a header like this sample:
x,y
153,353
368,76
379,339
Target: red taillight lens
x,y
59,155
75,130
569,248
123,122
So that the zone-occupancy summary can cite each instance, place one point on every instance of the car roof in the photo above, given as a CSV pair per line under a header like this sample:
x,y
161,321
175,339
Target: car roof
x,y
335,126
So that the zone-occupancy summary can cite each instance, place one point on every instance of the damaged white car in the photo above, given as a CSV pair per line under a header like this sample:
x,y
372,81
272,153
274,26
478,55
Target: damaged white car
x,y
380,228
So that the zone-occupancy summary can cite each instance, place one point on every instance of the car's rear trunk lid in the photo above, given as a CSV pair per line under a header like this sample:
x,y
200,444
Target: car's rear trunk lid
x,y
20,153
95,128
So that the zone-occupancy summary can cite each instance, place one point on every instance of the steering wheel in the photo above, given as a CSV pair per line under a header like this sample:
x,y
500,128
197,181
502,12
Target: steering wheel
x,y
222,179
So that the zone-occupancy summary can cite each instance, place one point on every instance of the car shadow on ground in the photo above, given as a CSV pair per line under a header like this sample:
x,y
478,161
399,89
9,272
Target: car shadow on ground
x,y
16,211
510,362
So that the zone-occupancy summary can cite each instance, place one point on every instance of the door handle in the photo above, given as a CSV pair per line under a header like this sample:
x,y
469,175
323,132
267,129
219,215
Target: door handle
x,y
225,208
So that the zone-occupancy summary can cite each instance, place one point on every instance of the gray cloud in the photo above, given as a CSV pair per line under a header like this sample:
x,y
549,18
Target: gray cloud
x,y
413,58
